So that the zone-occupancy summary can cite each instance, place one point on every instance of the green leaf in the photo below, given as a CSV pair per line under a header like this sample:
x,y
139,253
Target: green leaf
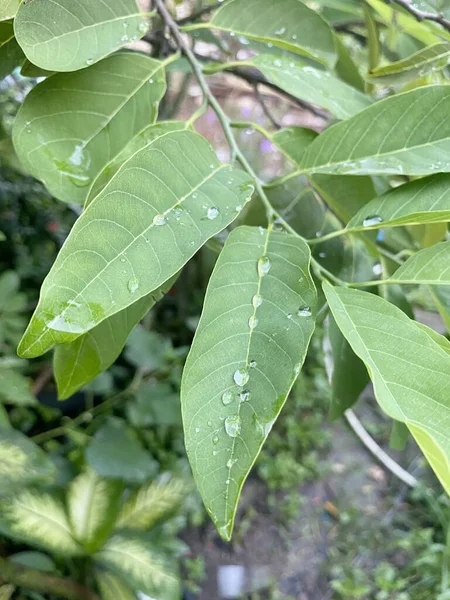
x,y
11,54
64,35
72,125
312,84
116,452
93,504
409,370
406,134
8,9
293,141
112,587
430,266
142,565
399,436
287,24
419,64
40,519
152,503
76,364
175,188
15,388
258,318
441,296
6,592
34,560
22,462
154,404
442,341
147,349
425,200
346,69
344,194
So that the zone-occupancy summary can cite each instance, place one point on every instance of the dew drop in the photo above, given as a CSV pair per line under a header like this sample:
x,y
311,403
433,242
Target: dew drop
x,y
238,208
373,220
159,220
211,166
280,31
143,27
244,396
257,300
293,36
227,398
252,322
304,311
289,315
297,369
241,377
124,38
133,285
212,213
90,61
233,425
322,254
209,423
263,265
150,80
231,462
252,364
197,430
122,260
215,439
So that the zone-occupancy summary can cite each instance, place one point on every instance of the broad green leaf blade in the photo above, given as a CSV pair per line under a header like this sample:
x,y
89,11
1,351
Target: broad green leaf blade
x,y
116,452
11,54
287,24
77,363
409,370
425,200
173,189
152,503
258,318
293,141
34,560
442,341
40,519
430,266
143,138
93,504
311,84
71,125
406,134
427,60
22,462
64,35
15,388
112,587
143,566
8,9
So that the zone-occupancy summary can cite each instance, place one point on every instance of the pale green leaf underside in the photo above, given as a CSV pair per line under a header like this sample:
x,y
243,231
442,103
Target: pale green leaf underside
x,y
406,134
430,266
288,24
312,85
11,54
168,199
77,363
67,35
425,200
268,339
409,370
419,64
112,587
8,9
71,125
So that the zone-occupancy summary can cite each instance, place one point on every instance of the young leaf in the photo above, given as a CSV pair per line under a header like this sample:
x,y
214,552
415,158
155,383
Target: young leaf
x,y
93,504
112,587
11,54
406,134
71,125
64,35
8,9
174,188
76,364
287,24
40,519
142,565
116,452
15,388
22,462
409,370
430,266
248,350
425,200
152,503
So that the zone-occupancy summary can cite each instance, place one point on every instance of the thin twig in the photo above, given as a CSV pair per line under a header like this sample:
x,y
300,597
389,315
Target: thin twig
x,y
265,108
422,15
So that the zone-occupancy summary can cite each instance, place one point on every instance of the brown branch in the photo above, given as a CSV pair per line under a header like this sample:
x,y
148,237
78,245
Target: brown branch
x,y
42,582
422,15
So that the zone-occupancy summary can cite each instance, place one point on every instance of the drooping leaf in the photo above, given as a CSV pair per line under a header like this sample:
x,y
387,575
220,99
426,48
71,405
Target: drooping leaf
x,y
64,35
152,503
22,463
248,350
116,452
405,134
71,125
287,24
112,587
11,54
409,370
142,565
8,9
15,388
345,67
93,504
425,200
154,404
40,519
173,189
430,266
79,362
429,59
312,84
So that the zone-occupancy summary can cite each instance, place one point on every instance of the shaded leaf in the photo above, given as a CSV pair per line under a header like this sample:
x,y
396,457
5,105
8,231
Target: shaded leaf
x,y
30,70
293,141
34,560
147,349
406,134
71,125
6,592
175,188
112,587
287,24
155,404
64,35
11,54
15,388
76,364
8,9
248,350
441,296
346,69
409,370
430,266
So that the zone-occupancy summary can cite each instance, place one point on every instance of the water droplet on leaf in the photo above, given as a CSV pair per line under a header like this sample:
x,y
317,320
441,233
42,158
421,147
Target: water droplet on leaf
x,y
159,220
304,311
241,377
212,213
133,285
227,398
373,220
257,300
233,425
263,265
244,396
252,322
252,364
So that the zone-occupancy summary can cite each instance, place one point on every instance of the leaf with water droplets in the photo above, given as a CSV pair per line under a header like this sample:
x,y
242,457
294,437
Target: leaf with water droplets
x,y
63,35
244,360
409,370
115,240
72,125
287,24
